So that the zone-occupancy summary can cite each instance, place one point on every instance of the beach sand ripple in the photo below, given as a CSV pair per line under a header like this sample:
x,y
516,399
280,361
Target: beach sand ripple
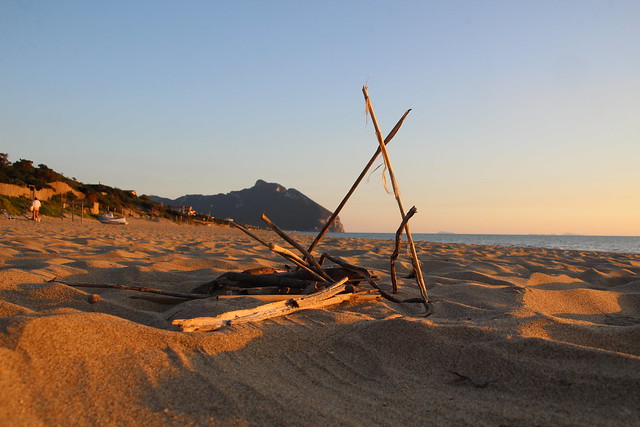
x,y
517,336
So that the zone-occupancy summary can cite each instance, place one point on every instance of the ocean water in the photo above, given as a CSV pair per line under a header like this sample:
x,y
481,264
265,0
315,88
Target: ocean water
x,y
620,244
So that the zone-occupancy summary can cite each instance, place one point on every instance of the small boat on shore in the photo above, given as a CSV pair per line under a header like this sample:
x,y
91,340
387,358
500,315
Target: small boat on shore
x,y
108,218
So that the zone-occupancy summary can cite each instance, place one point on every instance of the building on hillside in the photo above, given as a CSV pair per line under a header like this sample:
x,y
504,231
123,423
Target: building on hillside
x,y
185,210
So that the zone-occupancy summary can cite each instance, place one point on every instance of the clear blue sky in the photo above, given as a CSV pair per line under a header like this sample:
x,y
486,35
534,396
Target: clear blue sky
x,y
526,114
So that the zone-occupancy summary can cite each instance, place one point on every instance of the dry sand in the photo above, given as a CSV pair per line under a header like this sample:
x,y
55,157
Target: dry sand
x,y
518,336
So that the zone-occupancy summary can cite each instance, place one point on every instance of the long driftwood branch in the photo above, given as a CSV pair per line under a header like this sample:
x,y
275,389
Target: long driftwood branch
x,y
396,251
335,213
265,277
355,297
414,255
131,288
295,279
312,261
336,273
250,234
270,280
320,299
285,253
364,272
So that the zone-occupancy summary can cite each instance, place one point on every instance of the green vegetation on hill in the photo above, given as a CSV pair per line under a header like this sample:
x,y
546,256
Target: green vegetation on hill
x,y
19,205
23,173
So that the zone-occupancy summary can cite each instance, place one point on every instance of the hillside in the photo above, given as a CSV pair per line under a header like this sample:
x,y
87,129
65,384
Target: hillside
x,y
21,180
288,208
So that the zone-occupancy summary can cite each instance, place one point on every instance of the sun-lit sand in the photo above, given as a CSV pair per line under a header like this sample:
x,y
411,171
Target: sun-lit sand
x,y
517,337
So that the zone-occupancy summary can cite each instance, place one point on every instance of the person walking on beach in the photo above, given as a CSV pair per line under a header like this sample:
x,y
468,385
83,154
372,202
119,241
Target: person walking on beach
x,y
35,209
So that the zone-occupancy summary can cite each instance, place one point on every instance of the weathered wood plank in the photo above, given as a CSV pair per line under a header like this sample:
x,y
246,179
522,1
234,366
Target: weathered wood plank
x,y
319,299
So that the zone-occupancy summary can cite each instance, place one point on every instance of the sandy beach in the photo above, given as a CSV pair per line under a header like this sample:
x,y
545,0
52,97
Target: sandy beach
x,y
517,337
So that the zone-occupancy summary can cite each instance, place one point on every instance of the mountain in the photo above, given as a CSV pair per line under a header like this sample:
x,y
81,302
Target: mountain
x,y
288,208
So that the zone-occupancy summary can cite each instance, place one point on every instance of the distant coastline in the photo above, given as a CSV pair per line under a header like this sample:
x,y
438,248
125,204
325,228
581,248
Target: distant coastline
x,y
617,244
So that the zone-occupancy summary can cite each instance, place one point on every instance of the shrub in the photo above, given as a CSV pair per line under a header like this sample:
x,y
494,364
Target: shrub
x,y
6,204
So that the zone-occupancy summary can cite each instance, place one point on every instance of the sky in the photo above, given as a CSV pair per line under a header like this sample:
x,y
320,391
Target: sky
x,y
525,114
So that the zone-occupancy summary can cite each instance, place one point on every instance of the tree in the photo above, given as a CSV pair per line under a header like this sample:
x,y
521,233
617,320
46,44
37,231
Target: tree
x,y
47,174
23,165
5,166
4,160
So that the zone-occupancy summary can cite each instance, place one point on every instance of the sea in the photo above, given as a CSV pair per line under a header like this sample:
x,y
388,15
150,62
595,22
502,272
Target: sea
x,y
619,244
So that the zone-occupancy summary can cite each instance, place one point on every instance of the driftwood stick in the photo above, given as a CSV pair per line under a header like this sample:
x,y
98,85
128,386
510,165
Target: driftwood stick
x,y
270,280
312,261
318,300
311,289
250,234
362,271
335,213
268,298
361,296
396,251
292,279
231,287
285,253
396,192
335,273
342,263
258,290
297,261
131,288
353,297
266,270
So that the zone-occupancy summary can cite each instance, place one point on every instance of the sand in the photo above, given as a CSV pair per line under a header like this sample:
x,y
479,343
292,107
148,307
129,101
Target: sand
x,y
517,337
